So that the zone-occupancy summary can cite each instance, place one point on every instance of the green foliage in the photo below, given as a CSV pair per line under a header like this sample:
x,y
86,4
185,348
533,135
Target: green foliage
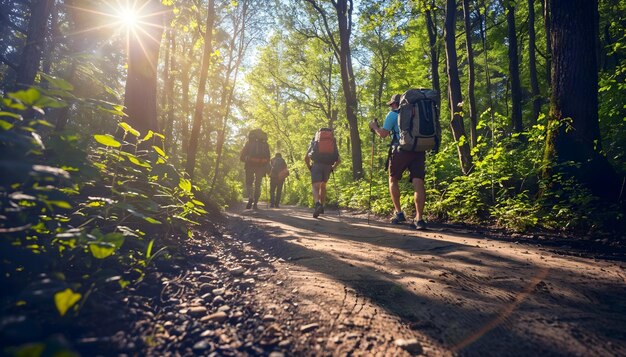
x,y
88,214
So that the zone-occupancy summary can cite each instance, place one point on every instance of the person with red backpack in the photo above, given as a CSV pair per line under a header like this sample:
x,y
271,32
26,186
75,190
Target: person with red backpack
x,y
256,156
321,158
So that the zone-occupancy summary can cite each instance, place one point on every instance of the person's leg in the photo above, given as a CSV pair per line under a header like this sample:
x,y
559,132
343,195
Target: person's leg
x,y
322,193
419,197
249,182
258,180
316,191
273,187
279,192
394,192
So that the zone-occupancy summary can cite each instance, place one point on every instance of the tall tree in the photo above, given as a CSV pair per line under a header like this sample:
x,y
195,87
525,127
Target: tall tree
x,y
546,23
236,47
454,89
574,132
431,28
514,76
343,53
532,62
471,77
33,48
140,97
169,70
199,107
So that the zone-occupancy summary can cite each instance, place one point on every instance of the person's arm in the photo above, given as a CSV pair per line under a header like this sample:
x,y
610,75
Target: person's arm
x,y
307,160
383,133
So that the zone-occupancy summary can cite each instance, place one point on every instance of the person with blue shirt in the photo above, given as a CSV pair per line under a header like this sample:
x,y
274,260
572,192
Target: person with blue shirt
x,y
398,162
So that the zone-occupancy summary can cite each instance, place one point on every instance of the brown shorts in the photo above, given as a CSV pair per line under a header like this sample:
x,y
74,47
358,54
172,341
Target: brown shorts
x,y
402,160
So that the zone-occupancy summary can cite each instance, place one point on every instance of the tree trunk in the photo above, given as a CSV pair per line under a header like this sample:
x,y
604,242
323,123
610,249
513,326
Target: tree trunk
x,y
483,37
546,21
343,11
471,76
228,89
140,97
169,94
516,87
574,131
454,89
35,38
532,67
344,14
199,107
434,54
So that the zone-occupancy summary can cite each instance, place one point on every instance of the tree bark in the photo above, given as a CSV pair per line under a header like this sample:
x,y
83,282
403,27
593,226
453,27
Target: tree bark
x,y
532,66
199,107
546,21
434,54
516,86
343,11
454,89
33,49
169,92
471,76
574,130
140,97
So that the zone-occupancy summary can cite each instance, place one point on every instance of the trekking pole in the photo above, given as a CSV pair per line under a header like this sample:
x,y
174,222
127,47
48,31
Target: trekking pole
x,y
336,192
369,199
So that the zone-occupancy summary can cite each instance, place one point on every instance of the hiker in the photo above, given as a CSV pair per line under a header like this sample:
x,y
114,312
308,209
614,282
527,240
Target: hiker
x,y
256,156
278,174
324,155
413,157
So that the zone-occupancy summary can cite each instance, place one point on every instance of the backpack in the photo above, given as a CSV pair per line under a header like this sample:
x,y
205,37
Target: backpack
x,y
278,165
418,120
324,147
258,149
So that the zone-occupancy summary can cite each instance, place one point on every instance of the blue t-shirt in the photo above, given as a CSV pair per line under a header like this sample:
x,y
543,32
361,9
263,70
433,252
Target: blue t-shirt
x,y
391,125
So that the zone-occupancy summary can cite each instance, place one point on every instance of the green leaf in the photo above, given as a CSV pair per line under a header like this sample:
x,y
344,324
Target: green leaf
x,y
152,220
148,136
128,128
159,151
12,115
5,125
101,250
60,204
184,184
58,82
138,162
65,299
107,140
149,250
28,97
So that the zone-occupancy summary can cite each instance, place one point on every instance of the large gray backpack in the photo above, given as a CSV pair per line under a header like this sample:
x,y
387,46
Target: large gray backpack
x,y
418,120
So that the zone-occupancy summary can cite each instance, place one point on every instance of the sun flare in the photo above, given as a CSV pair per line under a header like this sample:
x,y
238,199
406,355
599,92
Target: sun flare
x,y
128,17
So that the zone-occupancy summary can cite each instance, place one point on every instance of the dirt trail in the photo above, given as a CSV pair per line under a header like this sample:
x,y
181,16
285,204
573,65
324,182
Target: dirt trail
x,y
367,286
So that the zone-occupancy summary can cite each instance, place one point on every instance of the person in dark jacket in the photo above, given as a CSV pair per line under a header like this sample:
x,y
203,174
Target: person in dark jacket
x,y
256,156
278,174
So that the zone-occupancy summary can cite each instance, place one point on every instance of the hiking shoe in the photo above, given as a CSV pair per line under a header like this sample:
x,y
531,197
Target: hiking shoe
x,y
398,218
318,209
249,205
419,225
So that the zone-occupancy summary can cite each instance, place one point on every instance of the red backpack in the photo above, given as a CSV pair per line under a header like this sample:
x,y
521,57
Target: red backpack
x,y
324,147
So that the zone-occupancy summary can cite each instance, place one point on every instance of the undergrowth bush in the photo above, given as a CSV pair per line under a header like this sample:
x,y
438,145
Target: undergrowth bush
x,y
80,215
